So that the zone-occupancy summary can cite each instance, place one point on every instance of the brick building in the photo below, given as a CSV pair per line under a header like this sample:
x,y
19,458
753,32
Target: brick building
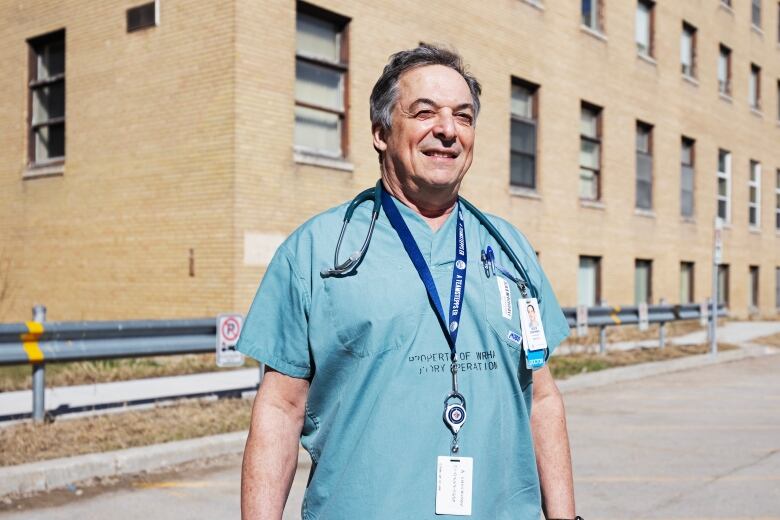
x,y
152,159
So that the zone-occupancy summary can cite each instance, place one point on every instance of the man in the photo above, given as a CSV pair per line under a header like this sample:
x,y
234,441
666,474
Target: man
x,y
358,365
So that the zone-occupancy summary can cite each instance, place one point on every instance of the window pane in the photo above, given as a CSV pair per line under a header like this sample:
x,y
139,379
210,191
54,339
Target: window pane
x,y
686,203
49,142
523,137
722,210
723,284
587,276
642,282
589,122
753,88
522,171
587,13
319,85
51,59
317,38
642,139
686,282
686,50
318,130
777,287
522,101
686,152
589,154
48,102
687,178
588,185
643,28
722,68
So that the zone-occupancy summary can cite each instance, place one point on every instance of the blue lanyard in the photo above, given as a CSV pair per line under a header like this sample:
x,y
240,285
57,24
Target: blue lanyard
x,y
458,289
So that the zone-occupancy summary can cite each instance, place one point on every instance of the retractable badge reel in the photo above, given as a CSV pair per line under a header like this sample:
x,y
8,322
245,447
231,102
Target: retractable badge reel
x,y
454,410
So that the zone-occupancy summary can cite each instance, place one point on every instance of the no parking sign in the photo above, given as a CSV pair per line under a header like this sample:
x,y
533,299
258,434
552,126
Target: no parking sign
x,y
228,331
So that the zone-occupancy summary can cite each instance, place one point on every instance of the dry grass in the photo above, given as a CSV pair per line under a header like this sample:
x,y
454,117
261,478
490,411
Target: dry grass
x,y
572,364
620,333
28,442
772,340
105,371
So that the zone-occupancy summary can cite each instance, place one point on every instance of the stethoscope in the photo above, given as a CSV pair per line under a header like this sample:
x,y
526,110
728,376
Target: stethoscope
x,y
487,255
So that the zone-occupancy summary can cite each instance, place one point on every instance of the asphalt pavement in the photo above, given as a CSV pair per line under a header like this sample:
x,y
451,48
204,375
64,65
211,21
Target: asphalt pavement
x,y
697,444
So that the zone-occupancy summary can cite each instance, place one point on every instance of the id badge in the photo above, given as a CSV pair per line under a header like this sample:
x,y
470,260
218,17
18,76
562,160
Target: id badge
x,y
531,325
453,485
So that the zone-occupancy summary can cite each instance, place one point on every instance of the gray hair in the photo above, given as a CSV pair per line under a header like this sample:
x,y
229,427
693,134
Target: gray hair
x,y
385,91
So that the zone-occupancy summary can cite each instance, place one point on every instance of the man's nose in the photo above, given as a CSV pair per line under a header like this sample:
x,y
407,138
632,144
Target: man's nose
x,y
445,127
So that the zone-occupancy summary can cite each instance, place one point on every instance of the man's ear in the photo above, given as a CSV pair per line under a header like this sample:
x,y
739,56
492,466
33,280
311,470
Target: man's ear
x,y
379,137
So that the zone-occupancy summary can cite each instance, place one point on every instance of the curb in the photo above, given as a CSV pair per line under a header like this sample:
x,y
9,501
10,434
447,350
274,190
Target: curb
x,y
654,368
58,473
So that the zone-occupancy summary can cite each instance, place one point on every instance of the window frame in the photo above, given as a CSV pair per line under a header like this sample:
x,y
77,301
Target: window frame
x,y
723,296
342,67
597,16
685,140
754,181
599,139
777,199
724,88
726,175
650,52
649,154
754,288
33,83
691,266
649,263
597,263
755,7
755,76
693,56
533,88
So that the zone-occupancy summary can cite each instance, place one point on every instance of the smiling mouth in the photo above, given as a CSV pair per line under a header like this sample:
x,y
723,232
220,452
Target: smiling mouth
x,y
440,154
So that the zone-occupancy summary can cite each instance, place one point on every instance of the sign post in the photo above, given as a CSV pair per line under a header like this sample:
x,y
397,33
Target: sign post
x,y
644,321
228,330
717,258
582,320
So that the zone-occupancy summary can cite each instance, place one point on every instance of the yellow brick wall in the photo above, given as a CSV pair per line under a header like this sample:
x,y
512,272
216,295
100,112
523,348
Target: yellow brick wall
x,y
149,164
181,137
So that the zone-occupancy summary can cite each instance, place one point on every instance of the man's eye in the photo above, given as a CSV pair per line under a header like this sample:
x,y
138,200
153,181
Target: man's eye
x,y
466,118
424,113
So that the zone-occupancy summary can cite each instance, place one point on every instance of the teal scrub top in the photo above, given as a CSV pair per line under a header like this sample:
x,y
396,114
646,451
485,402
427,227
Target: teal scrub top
x,y
378,365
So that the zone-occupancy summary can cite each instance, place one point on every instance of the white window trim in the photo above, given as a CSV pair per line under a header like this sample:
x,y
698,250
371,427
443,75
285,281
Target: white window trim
x,y
757,204
725,175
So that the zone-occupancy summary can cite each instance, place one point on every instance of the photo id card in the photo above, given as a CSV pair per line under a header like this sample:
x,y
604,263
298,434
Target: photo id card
x,y
453,485
531,324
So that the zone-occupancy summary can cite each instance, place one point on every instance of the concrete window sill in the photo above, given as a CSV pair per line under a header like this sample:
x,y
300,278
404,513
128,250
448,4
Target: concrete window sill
x,y
517,191
593,32
646,213
593,204
48,170
322,161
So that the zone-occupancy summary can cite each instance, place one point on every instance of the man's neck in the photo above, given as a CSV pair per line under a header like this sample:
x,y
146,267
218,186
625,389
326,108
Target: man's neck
x,y
434,208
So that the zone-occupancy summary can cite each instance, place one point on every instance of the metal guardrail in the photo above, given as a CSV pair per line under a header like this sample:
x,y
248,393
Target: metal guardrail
x,y
39,342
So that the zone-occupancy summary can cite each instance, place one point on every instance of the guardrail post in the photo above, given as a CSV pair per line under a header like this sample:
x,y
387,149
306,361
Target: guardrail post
x,y
603,339
39,374
662,328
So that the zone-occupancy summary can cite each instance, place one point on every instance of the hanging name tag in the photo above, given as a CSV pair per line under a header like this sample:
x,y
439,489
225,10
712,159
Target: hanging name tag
x,y
531,323
453,485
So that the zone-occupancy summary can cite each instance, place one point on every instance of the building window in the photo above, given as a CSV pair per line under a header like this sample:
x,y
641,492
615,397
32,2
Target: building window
x,y
46,119
644,166
727,3
523,139
778,90
754,195
724,71
724,185
644,27
143,16
777,199
777,288
590,152
688,50
320,82
753,287
686,282
592,17
754,89
643,281
589,281
755,13
723,284
687,175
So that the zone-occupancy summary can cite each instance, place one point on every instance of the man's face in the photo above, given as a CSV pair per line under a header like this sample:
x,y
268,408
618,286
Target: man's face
x,y
432,137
